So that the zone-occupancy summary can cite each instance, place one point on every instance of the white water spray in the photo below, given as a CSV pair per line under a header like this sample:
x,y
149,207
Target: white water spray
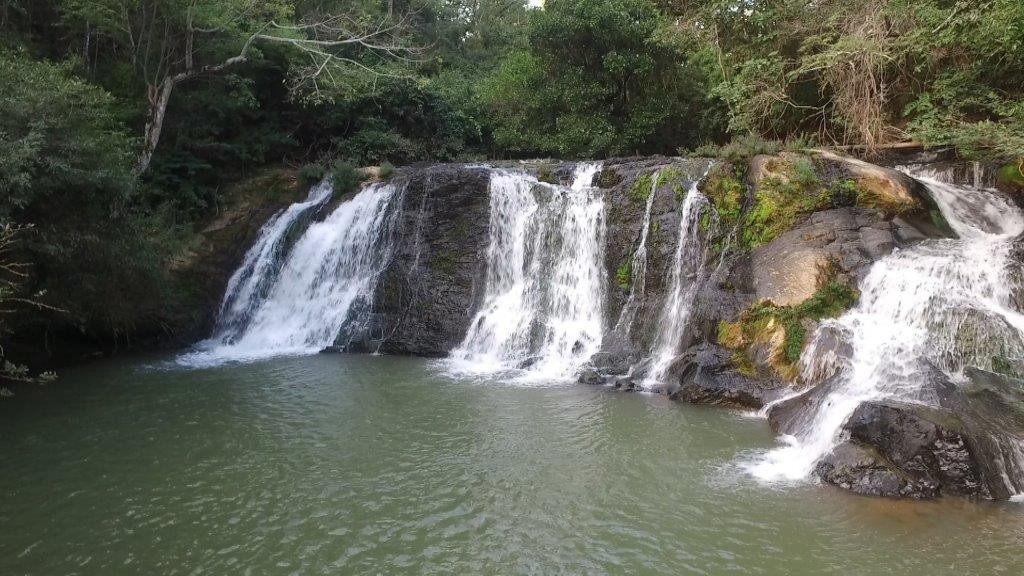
x,y
327,280
685,281
543,302
948,303
249,284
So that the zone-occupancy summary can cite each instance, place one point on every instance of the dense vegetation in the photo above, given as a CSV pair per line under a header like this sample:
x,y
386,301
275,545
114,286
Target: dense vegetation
x,y
121,121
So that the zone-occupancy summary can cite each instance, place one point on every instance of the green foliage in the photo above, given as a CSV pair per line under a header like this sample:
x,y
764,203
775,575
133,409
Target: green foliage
x,y
386,170
94,251
310,174
624,275
642,187
784,198
345,177
725,193
599,77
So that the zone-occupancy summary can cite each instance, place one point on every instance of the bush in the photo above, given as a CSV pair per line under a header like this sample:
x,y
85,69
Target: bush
x,y
310,174
386,170
345,177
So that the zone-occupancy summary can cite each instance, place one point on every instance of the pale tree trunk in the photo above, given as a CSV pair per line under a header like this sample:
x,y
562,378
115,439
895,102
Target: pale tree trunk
x,y
159,97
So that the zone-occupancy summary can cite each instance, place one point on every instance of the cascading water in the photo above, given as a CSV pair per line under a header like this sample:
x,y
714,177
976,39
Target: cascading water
x,y
638,268
685,281
944,303
249,284
543,301
326,282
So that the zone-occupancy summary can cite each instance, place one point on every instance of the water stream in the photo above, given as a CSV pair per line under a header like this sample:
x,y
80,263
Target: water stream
x,y
543,309
326,281
944,303
688,271
638,267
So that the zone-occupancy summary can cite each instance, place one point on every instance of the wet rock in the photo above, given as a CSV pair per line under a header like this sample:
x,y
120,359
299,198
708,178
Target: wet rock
x,y
930,447
709,377
968,441
427,295
860,469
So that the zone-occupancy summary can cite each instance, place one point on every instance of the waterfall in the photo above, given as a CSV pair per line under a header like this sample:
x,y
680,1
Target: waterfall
x,y
944,303
542,310
261,265
684,283
325,283
638,267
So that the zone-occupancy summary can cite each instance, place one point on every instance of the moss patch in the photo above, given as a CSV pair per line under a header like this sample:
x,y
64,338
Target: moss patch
x,y
642,187
1010,176
762,323
609,178
443,262
624,275
547,175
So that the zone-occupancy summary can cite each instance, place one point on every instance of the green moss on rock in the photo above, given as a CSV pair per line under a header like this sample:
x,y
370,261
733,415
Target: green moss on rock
x,y
624,275
765,322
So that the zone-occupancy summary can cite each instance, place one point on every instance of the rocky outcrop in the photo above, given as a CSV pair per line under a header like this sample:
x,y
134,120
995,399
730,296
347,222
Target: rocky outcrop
x,y
709,376
787,271
428,293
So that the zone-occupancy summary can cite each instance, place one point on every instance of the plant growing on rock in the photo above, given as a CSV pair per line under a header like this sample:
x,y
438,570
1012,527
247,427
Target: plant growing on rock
x,y
784,328
345,177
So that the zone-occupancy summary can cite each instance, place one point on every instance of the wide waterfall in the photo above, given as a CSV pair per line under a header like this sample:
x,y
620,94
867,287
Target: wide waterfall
x,y
685,281
325,282
543,305
940,303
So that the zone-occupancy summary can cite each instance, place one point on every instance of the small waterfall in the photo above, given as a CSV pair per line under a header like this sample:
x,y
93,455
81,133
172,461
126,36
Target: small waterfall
x,y
543,300
638,268
943,303
262,263
684,283
326,283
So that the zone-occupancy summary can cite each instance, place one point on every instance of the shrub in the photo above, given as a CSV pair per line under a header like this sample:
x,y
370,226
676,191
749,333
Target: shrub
x,y
386,170
345,177
310,174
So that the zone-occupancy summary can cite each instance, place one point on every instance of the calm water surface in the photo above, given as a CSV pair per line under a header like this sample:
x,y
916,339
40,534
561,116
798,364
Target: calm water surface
x,y
376,465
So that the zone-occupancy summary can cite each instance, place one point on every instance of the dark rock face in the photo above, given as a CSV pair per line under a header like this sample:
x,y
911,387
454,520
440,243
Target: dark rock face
x,y
709,377
627,340
930,448
428,293
860,469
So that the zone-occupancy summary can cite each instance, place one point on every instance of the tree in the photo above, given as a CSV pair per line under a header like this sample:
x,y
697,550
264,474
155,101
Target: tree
x,y
175,41
600,77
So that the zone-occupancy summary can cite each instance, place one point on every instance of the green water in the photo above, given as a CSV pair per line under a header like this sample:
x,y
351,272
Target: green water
x,y
375,465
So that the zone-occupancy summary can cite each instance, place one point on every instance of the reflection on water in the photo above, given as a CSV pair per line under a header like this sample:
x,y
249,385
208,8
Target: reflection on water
x,y
382,465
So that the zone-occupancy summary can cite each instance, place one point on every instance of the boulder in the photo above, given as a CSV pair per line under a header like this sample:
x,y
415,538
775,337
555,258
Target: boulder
x,y
709,377
787,270
967,441
860,469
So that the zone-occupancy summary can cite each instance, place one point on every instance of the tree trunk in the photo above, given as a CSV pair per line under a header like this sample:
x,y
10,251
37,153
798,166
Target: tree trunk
x,y
159,97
